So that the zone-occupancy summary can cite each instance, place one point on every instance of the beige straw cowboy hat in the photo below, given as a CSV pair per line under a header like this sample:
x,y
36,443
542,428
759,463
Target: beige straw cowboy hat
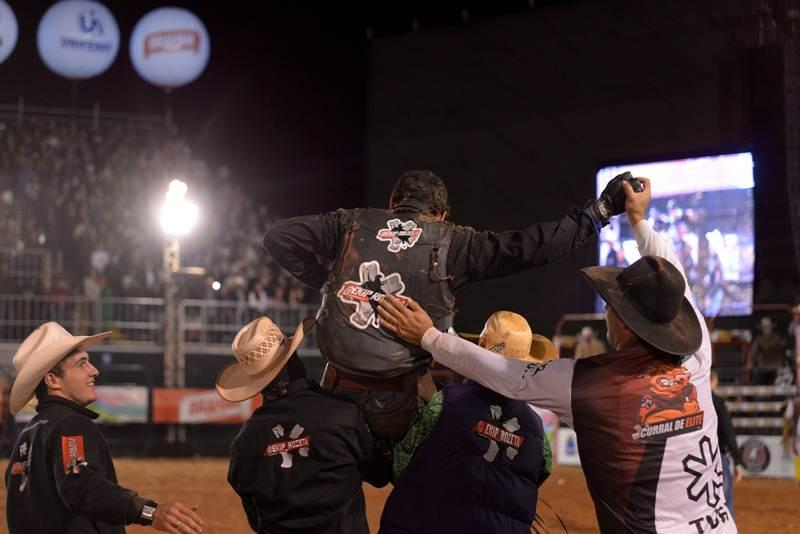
x,y
261,351
40,352
509,334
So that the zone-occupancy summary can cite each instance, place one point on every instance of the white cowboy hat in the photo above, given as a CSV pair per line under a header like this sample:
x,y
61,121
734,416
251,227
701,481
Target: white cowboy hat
x,y
40,352
261,351
509,334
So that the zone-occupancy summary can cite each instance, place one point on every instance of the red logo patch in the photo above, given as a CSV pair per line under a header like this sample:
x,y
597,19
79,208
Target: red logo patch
x,y
72,452
495,433
287,445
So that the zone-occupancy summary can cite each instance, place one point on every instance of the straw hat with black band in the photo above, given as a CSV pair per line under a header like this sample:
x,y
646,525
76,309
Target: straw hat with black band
x,y
42,350
509,334
648,296
261,351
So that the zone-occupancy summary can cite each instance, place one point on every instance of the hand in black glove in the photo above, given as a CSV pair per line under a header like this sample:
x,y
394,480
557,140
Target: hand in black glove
x,y
610,203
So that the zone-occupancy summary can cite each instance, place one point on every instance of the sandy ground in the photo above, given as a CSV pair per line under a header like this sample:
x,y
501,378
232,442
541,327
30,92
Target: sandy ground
x,y
763,505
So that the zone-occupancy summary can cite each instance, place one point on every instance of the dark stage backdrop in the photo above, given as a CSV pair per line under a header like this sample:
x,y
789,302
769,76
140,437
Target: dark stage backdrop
x,y
517,112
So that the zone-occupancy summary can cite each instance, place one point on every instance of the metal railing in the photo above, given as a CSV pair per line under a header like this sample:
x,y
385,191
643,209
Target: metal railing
x,y
28,269
133,320
205,325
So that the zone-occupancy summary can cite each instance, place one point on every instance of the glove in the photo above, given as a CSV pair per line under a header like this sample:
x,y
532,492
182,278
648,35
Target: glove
x,y
611,202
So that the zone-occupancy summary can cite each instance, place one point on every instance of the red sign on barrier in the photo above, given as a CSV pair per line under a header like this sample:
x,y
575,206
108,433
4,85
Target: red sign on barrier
x,y
193,406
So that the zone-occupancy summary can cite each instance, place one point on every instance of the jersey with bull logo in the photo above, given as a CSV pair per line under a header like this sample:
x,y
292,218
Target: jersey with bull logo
x,y
383,253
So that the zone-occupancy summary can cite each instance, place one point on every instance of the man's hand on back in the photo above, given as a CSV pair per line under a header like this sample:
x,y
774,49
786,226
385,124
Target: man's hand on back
x,y
177,518
408,322
636,203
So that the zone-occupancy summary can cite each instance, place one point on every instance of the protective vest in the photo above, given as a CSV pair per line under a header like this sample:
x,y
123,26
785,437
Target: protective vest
x,y
383,252
476,472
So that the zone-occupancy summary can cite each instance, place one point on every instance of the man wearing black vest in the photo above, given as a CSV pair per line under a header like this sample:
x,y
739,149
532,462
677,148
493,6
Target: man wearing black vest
x,y
355,257
486,454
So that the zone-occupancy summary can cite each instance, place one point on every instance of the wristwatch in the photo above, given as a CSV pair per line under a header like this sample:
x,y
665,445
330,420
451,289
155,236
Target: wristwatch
x,y
148,512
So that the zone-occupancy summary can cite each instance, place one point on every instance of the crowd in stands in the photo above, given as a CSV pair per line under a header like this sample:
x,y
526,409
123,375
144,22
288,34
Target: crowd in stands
x,y
90,195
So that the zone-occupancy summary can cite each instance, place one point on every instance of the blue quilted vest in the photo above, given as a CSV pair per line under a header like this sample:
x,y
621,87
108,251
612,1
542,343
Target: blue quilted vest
x,y
476,472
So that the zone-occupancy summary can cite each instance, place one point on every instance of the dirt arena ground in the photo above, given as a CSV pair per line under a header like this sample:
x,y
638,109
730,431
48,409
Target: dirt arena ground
x,y
763,505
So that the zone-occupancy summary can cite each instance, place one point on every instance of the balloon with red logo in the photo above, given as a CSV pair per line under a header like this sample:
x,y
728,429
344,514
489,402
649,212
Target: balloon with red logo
x,y
78,39
170,47
8,30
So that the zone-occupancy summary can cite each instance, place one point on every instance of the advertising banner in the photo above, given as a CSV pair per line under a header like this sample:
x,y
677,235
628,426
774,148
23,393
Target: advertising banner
x,y
9,30
193,406
78,39
170,47
765,456
121,404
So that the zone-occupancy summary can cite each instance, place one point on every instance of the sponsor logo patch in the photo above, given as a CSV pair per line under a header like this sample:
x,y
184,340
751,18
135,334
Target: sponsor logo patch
x,y
371,288
399,234
295,441
499,435
670,407
755,455
72,452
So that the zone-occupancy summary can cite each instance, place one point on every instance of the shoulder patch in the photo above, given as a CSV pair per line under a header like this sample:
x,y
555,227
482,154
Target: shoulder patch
x,y
72,452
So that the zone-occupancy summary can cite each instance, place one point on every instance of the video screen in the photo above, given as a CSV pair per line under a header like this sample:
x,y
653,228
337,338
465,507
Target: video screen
x,y
704,206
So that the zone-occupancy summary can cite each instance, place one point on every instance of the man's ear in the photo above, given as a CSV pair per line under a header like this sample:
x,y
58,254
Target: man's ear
x,y
391,203
442,217
52,382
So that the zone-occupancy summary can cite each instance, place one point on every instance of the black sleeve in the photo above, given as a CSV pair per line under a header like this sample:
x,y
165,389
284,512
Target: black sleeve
x,y
79,467
478,256
376,468
239,472
725,431
306,246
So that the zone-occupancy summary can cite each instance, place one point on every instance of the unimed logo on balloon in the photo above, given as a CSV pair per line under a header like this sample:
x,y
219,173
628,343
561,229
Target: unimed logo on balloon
x,y
171,41
89,24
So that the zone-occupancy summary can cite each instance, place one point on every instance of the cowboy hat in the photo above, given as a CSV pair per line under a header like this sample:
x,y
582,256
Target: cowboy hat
x,y
40,352
648,296
261,351
509,334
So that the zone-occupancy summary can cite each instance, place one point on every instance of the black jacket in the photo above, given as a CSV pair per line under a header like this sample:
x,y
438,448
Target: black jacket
x,y
725,432
307,246
61,477
297,464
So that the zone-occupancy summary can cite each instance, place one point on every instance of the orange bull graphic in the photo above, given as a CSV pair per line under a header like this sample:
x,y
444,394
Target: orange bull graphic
x,y
670,406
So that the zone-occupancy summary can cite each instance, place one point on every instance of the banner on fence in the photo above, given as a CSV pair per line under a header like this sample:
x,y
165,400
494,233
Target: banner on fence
x,y
192,406
121,404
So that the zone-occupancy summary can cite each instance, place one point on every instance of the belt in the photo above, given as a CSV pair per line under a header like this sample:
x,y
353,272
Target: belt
x,y
334,377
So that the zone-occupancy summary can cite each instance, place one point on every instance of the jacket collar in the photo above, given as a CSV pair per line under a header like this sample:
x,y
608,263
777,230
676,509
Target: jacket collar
x,y
61,401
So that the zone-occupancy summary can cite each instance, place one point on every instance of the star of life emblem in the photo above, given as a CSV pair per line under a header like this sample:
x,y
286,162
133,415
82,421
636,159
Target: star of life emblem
x,y
499,435
400,235
706,471
295,441
368,292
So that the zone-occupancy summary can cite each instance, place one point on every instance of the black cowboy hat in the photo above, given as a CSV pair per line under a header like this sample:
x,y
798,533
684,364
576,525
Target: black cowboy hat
x,y
648,296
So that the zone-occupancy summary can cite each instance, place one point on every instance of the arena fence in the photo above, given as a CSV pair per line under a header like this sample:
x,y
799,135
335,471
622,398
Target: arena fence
x,y
27,269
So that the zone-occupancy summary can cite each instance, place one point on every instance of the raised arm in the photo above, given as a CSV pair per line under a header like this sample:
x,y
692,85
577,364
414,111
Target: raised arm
x,y
306,246
651,243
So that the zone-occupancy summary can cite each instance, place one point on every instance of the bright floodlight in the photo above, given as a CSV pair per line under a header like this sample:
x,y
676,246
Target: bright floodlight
x,y
178,215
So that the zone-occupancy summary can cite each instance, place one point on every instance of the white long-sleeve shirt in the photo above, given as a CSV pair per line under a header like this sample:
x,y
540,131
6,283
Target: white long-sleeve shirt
x,y
646,426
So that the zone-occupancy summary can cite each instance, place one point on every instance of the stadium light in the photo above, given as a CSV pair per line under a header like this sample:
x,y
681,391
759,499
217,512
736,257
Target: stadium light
x,y
178,215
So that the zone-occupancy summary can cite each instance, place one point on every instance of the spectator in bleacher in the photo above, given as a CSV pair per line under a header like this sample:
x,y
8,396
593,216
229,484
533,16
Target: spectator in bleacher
x,y
588,344
257,297
767,354
727,444
298,463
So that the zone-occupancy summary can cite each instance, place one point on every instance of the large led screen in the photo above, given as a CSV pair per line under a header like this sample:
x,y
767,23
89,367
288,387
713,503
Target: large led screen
x,y
704,207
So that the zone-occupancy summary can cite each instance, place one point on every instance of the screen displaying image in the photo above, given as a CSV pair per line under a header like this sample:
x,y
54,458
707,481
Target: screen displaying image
x,y
704,206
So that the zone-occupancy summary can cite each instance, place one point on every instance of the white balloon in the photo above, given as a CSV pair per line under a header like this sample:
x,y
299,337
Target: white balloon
x,y
8,30
78,39
170,47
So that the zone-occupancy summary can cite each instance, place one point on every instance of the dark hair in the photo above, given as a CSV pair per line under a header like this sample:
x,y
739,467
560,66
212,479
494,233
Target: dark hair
x,y
41,388
422,186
